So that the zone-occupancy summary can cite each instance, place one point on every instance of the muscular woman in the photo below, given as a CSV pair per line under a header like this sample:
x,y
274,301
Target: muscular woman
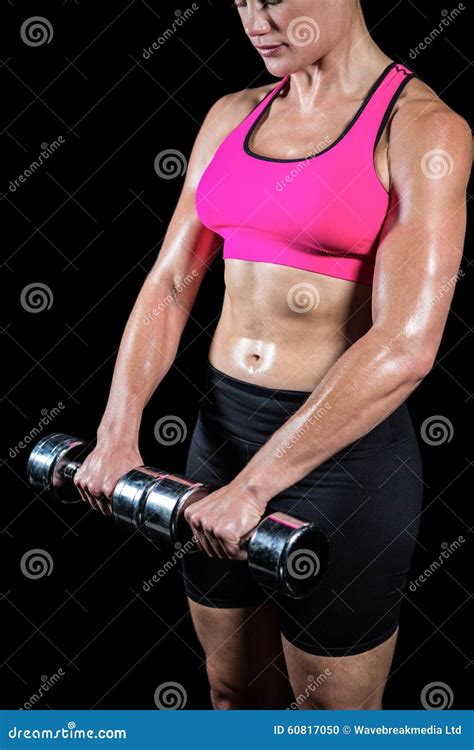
x,y
339,191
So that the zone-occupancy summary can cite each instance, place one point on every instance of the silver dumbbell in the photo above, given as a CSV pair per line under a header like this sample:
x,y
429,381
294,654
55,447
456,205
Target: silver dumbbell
x,y
285,554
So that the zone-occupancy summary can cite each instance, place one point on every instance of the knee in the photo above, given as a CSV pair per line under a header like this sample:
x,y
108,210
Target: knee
x,y
223,697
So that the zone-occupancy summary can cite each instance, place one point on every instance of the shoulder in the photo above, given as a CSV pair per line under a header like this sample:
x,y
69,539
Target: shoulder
x,y
424,129
222,118
229,110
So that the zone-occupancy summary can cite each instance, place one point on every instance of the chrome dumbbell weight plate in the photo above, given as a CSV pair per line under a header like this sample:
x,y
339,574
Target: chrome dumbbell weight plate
x,y
130,494
288,555
163,512
154,501
52,464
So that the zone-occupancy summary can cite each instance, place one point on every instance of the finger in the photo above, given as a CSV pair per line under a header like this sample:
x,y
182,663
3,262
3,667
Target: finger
x,y
195,524
82,493
92,500
201,536
236,550
77,483
108,503
195,540
83,490
102,502
228,545
198,544
192,515
219,542
215,544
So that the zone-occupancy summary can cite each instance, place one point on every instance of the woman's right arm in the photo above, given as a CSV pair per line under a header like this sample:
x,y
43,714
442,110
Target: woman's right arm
x,y
151,337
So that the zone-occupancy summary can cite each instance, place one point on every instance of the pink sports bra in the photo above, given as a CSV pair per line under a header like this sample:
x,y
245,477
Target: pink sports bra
x,y
322,212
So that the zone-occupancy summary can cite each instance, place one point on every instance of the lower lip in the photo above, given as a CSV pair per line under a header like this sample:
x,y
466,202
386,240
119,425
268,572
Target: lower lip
x,y
270,51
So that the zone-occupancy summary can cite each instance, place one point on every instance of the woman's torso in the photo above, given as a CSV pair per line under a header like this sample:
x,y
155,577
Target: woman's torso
x,y
283,326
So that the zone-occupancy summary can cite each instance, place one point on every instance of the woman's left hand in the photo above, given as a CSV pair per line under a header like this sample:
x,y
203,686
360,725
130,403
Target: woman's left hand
x,y
224,520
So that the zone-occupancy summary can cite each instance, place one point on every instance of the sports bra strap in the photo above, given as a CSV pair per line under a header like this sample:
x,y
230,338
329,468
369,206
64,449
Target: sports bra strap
x,y
255,112
369,126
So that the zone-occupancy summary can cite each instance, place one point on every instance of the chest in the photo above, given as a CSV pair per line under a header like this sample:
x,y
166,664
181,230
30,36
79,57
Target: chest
x,y
286,133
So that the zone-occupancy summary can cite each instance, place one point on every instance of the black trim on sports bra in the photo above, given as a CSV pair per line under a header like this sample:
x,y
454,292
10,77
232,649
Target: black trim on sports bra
x,y
365,101
390,106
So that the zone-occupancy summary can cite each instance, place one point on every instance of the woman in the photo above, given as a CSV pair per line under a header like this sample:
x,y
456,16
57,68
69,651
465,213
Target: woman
x,y
340,192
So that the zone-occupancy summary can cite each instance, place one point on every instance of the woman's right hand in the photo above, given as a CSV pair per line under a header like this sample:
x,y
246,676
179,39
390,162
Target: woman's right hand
x,y
100,471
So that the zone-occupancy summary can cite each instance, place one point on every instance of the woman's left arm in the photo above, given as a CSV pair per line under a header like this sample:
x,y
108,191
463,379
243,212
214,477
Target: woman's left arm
x,y
417,265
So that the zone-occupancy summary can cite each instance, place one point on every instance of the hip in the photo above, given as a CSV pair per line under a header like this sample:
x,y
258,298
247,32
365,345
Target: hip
x,y
247,413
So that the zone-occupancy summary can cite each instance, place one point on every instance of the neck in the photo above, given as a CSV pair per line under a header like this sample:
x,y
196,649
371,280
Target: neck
x,y
344,70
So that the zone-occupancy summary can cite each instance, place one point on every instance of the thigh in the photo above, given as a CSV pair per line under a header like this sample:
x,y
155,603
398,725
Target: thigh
x,y
339,641
215,458
244,660
346,682
369,504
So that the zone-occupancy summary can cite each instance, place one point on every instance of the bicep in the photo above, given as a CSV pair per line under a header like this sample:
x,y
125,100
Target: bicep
x,y
420,250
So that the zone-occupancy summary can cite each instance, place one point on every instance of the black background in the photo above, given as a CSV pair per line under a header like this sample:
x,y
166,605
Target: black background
x,y
89,224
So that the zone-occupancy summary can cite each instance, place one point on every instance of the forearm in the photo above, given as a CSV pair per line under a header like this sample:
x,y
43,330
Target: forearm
x,y
359,391
147,350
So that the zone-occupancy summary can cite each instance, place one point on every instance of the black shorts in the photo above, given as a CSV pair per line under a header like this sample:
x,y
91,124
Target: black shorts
x,y
367,497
